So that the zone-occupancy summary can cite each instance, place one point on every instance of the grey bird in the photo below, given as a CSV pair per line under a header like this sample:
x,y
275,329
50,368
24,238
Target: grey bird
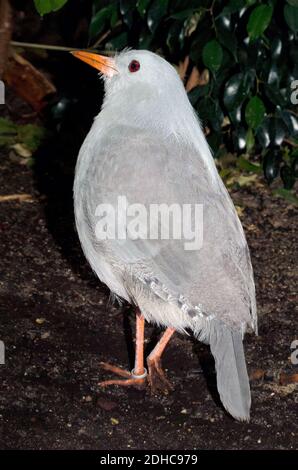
x,y
147,145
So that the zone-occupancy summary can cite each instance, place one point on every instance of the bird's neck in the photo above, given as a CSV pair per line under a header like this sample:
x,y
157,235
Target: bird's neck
x,y
151,110
157,113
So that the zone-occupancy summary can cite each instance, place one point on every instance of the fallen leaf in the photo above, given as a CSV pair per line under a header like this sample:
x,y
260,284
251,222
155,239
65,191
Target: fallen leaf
x,y
239,210
45,335
22,150
257,374
246,180
106,404
28,82
252,228
282,390
286,379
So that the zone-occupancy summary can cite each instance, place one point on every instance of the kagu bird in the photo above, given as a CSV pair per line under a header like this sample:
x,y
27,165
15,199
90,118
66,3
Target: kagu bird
x,y
146,144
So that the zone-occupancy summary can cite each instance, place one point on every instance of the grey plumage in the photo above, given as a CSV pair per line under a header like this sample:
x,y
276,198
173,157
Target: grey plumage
x,y
232,379
147,144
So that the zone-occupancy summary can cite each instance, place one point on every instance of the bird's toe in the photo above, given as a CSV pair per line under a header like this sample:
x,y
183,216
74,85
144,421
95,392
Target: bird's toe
x,y
127,379
157,379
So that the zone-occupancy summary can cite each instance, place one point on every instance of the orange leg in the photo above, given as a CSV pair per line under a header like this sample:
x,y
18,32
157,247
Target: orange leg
x,y
137,377
156,376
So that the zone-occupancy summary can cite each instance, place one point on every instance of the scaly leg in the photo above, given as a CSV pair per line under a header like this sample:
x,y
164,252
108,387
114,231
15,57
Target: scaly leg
x,y
137,377
156,376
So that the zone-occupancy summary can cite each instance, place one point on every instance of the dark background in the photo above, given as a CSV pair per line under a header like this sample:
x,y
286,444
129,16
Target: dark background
x,y
56,319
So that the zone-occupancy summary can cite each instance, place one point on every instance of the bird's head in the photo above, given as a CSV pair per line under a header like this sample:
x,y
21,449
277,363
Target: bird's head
x,y
143,90
137,75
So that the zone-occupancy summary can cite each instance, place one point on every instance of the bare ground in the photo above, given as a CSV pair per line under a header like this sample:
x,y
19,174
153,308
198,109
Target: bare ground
x,y
57,325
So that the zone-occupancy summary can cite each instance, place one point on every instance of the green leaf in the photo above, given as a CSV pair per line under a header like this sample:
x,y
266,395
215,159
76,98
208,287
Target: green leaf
x,y
126,9
259,21
202,36
245,164
239,139
28,135
233,7
249,140
237,89
214,140
99,21
126,6
275,95
286,194
212,55
114,18
210,111
290,121
291,17
47,6
254,112
197,92
7,126
235,115
276,48
228,40
142,6
145,38
287,176
294,3
184,14
156,12
262,134
31,136
174,36
277,131
271,164
273,77
118,42
8,132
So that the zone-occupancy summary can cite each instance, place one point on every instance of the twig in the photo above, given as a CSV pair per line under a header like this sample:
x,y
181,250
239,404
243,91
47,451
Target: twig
x,y
16,197
290,142
5,33
105,35
183,66
50,47
102,38
194,79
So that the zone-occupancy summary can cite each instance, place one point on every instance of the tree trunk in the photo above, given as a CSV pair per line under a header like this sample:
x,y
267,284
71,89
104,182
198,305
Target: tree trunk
x,y
5,33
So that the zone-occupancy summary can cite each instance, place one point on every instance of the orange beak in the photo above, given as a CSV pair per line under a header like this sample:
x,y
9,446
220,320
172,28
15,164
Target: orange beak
x,y
105,65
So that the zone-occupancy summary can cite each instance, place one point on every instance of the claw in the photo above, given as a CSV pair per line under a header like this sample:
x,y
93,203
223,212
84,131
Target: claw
x,y
116,370
130,380
157,378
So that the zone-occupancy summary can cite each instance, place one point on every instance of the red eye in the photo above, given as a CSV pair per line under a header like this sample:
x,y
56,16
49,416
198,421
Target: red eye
x,y
134,66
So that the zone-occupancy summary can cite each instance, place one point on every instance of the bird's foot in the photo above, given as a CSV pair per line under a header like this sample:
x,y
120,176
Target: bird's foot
x,y
157,378
129,378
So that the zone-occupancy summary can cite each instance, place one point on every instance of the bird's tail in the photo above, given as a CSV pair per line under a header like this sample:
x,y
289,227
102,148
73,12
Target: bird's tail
x,y
232,379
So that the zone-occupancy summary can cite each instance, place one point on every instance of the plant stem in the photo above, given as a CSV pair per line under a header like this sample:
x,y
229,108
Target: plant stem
x,y
31,45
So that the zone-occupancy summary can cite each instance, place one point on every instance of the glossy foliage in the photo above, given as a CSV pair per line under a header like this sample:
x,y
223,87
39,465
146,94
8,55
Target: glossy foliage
x,y
250,50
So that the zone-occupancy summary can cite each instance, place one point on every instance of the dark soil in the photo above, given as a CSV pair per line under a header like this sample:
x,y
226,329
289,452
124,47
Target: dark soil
x,y
57,325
